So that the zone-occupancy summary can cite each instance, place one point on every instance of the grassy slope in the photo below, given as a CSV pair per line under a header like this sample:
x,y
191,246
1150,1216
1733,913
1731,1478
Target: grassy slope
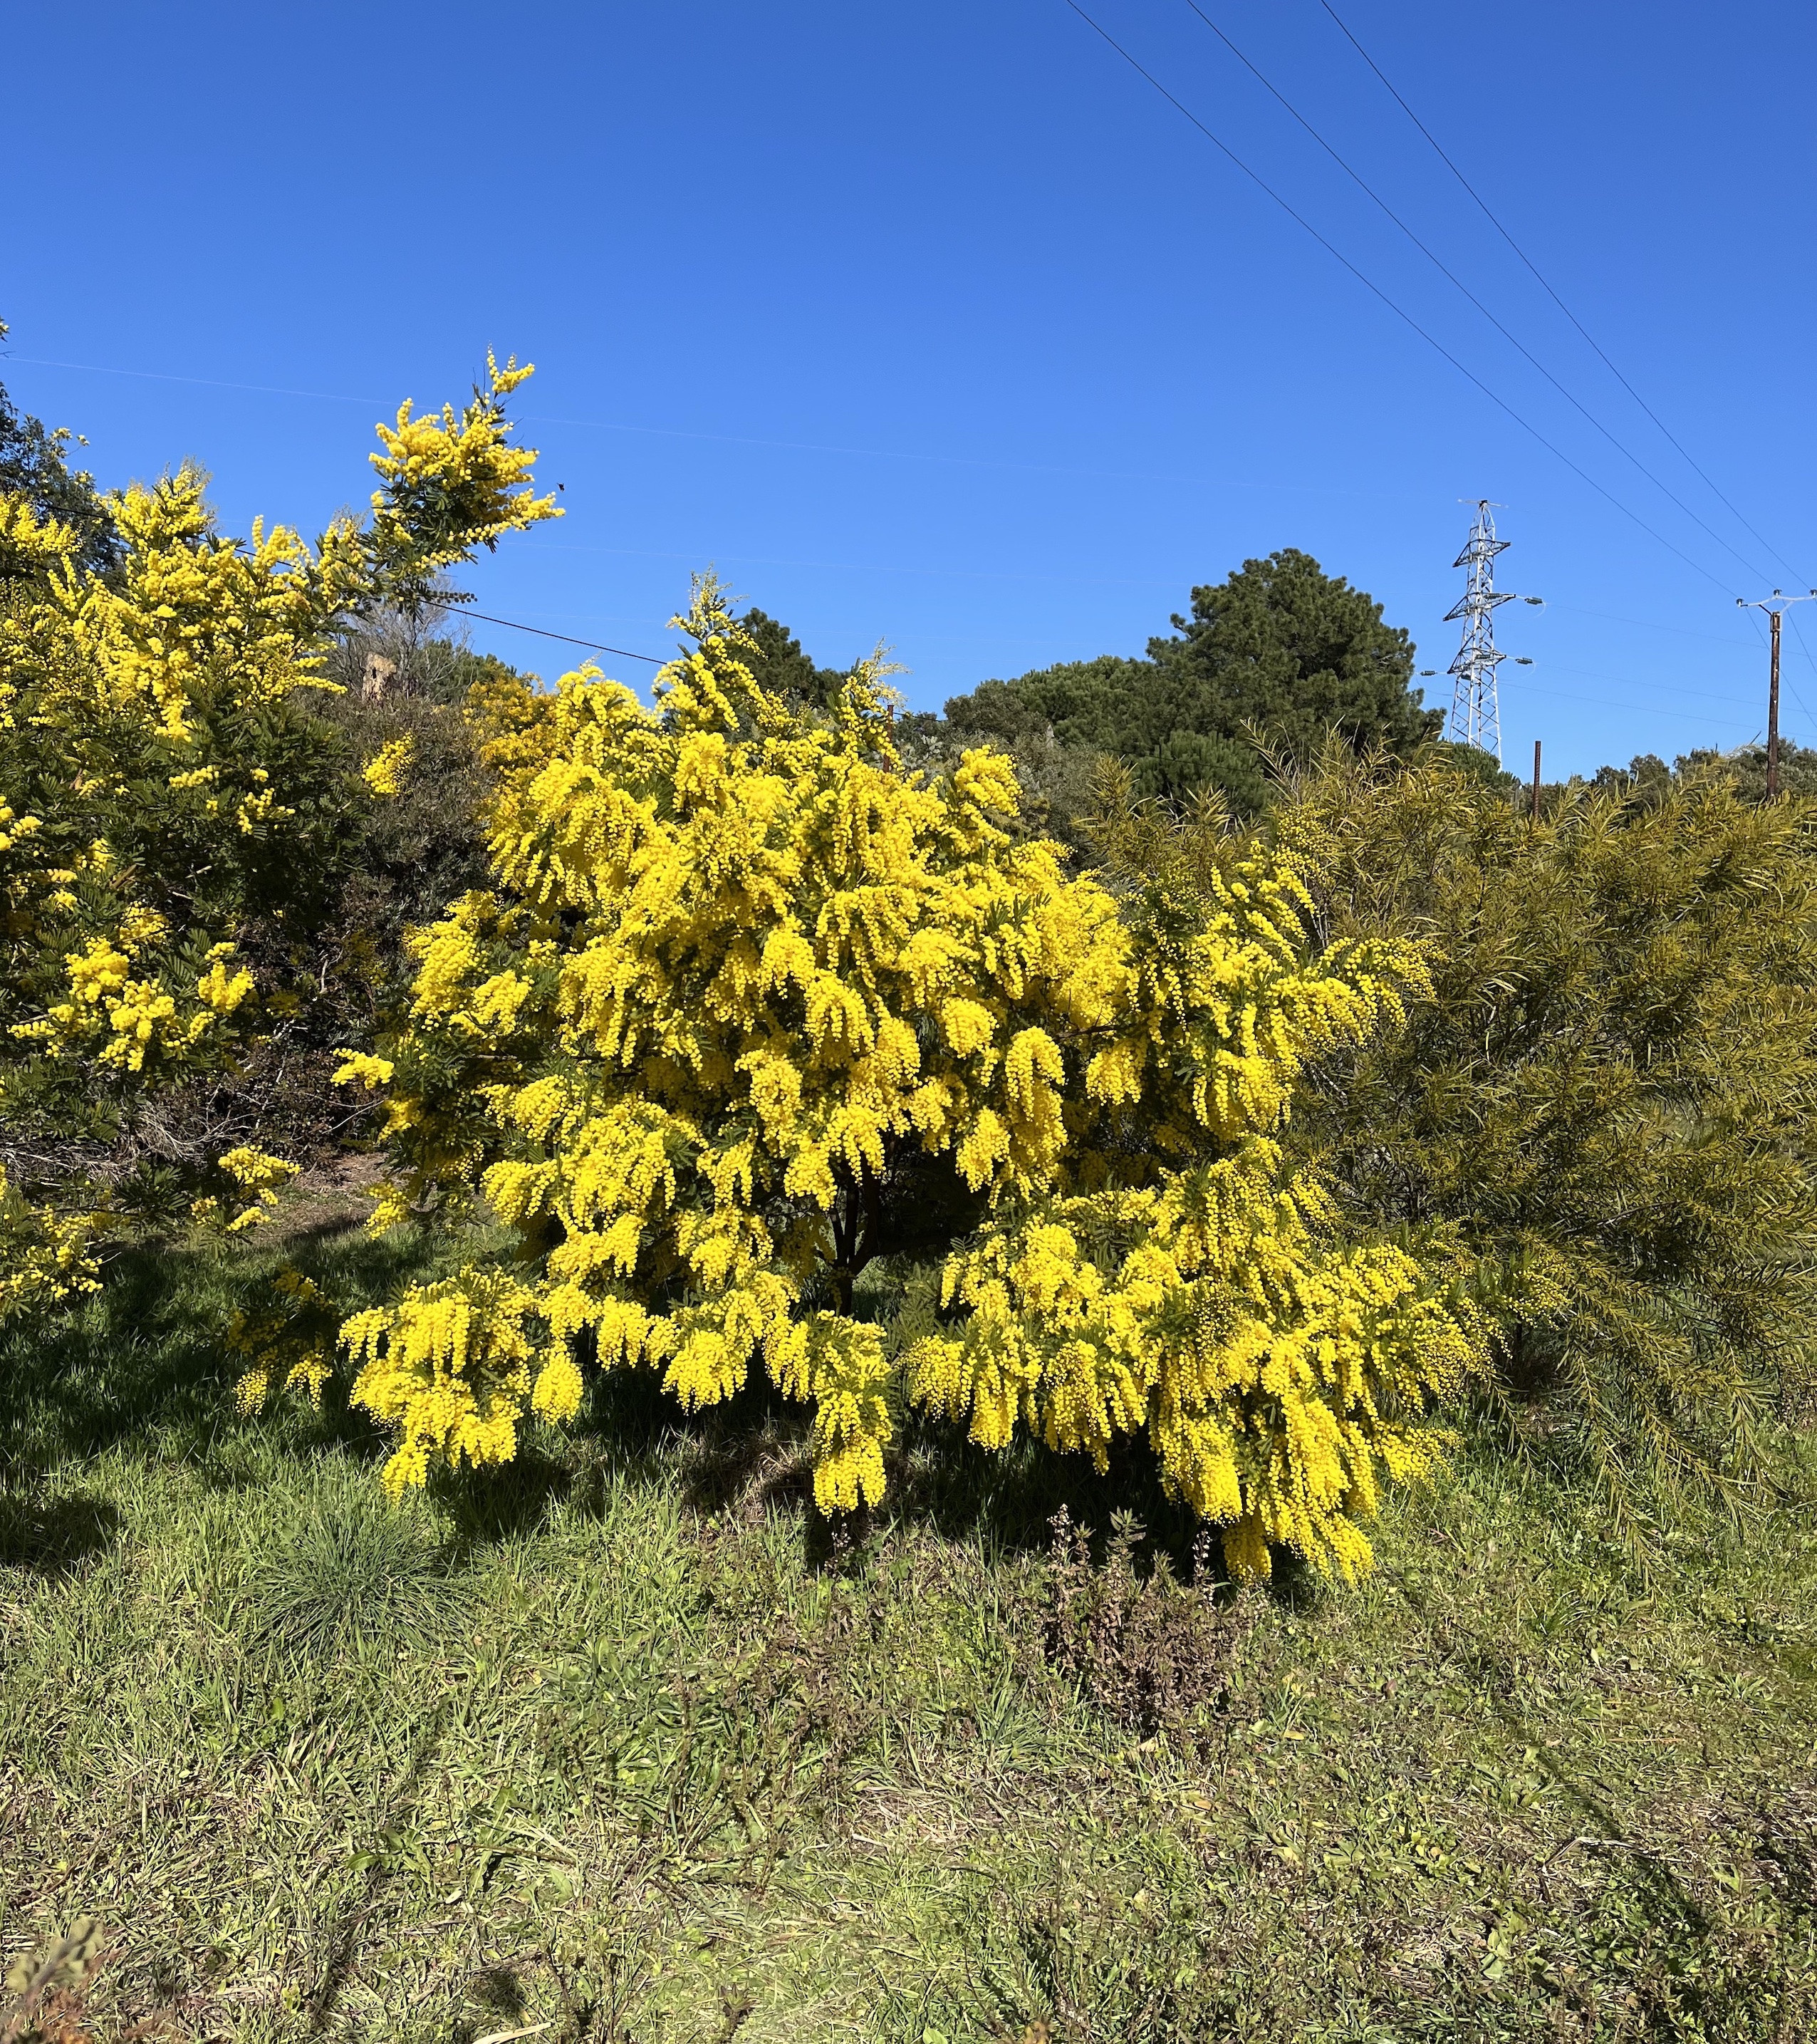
x,y
614,1745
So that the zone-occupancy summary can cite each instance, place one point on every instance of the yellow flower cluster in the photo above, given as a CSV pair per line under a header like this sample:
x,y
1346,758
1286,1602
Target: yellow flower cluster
x,y
31,546
121,1021
740,977
219,989
45,1254
450,1368
14,829
146,724
449,483
290,1345
384,772
193,613
1274,1382
260,1178
360,1067
791,965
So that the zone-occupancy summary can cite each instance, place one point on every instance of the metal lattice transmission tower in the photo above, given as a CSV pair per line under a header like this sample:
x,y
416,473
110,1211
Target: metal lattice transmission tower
x,y
1476,708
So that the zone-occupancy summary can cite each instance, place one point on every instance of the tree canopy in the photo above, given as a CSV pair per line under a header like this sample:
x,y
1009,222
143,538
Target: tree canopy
x,y
779,665
1278,652
34,468
741,977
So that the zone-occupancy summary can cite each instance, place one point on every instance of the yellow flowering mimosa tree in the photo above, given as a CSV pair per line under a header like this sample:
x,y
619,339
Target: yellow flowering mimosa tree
x,y
747,1006
164,793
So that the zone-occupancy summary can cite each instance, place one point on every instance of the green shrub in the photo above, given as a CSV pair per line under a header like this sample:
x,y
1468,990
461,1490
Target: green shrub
x,y
1606,1104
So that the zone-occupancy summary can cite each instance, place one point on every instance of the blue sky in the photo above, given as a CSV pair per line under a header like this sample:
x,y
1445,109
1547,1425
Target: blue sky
x,y
937,326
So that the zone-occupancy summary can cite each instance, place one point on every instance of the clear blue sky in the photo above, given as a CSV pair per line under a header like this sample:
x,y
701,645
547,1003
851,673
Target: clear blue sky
x,y
937,324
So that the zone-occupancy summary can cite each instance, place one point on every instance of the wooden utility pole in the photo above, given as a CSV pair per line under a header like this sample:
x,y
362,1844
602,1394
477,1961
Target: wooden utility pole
x,y
1775,606
1536,780
1773,716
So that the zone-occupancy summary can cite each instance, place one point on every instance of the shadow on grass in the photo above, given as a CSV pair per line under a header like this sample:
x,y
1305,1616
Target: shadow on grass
x,y
53,1537
752,1456
143,1363
347,1931
483,1508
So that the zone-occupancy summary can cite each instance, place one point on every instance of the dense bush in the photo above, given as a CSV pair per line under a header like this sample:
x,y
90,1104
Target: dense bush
x,y
1242,1142
747,1006
1606,1102
404,707
173,811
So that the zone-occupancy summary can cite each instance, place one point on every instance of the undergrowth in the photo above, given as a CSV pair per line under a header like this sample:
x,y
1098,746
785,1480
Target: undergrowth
x,y
619,1745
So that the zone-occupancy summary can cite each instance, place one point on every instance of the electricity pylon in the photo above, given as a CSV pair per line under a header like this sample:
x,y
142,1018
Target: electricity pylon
x,y
1476,708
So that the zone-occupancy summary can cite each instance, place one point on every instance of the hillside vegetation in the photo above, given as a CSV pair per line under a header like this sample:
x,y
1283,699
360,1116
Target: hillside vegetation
x,y
1134,1363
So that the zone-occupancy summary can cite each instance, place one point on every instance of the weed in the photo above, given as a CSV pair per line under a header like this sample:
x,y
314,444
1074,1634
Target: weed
x,y
1099,1974
42,1998
1153,1652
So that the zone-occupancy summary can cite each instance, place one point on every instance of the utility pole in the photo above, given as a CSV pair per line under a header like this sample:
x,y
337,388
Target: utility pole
x,y
1536,780
1475,706
1775,606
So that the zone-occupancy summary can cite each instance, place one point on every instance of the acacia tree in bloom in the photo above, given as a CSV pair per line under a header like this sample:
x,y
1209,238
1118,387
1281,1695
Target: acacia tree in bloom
x,y
745,1001
164,791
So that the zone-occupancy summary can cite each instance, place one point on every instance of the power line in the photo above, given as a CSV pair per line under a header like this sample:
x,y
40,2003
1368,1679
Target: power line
x,y
1546,286
1728,699
567,639
749,440
803,447
1760,638
1445,271
1400,311
342,397
862,567
969,461
207,383
1646,624
1798,632
1628,708
1553,666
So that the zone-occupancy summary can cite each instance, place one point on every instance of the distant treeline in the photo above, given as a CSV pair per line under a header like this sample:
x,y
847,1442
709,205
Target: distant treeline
x,y
1268,665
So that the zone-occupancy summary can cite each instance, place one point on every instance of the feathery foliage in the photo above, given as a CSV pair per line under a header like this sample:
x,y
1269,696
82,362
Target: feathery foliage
x,y
170,806
747,1004
1608,1098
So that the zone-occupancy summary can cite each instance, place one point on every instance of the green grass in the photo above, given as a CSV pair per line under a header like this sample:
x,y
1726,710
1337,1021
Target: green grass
x,y
619,1745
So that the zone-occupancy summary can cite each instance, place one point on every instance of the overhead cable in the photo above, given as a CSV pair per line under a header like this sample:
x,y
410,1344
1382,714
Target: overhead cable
x,y
1400,311
1546,286
567,639
1444,269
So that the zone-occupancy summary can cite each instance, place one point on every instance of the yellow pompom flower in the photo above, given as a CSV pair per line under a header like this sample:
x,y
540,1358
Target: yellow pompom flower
x,y
384,772
744,992
260,1176
449,1365
154,709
